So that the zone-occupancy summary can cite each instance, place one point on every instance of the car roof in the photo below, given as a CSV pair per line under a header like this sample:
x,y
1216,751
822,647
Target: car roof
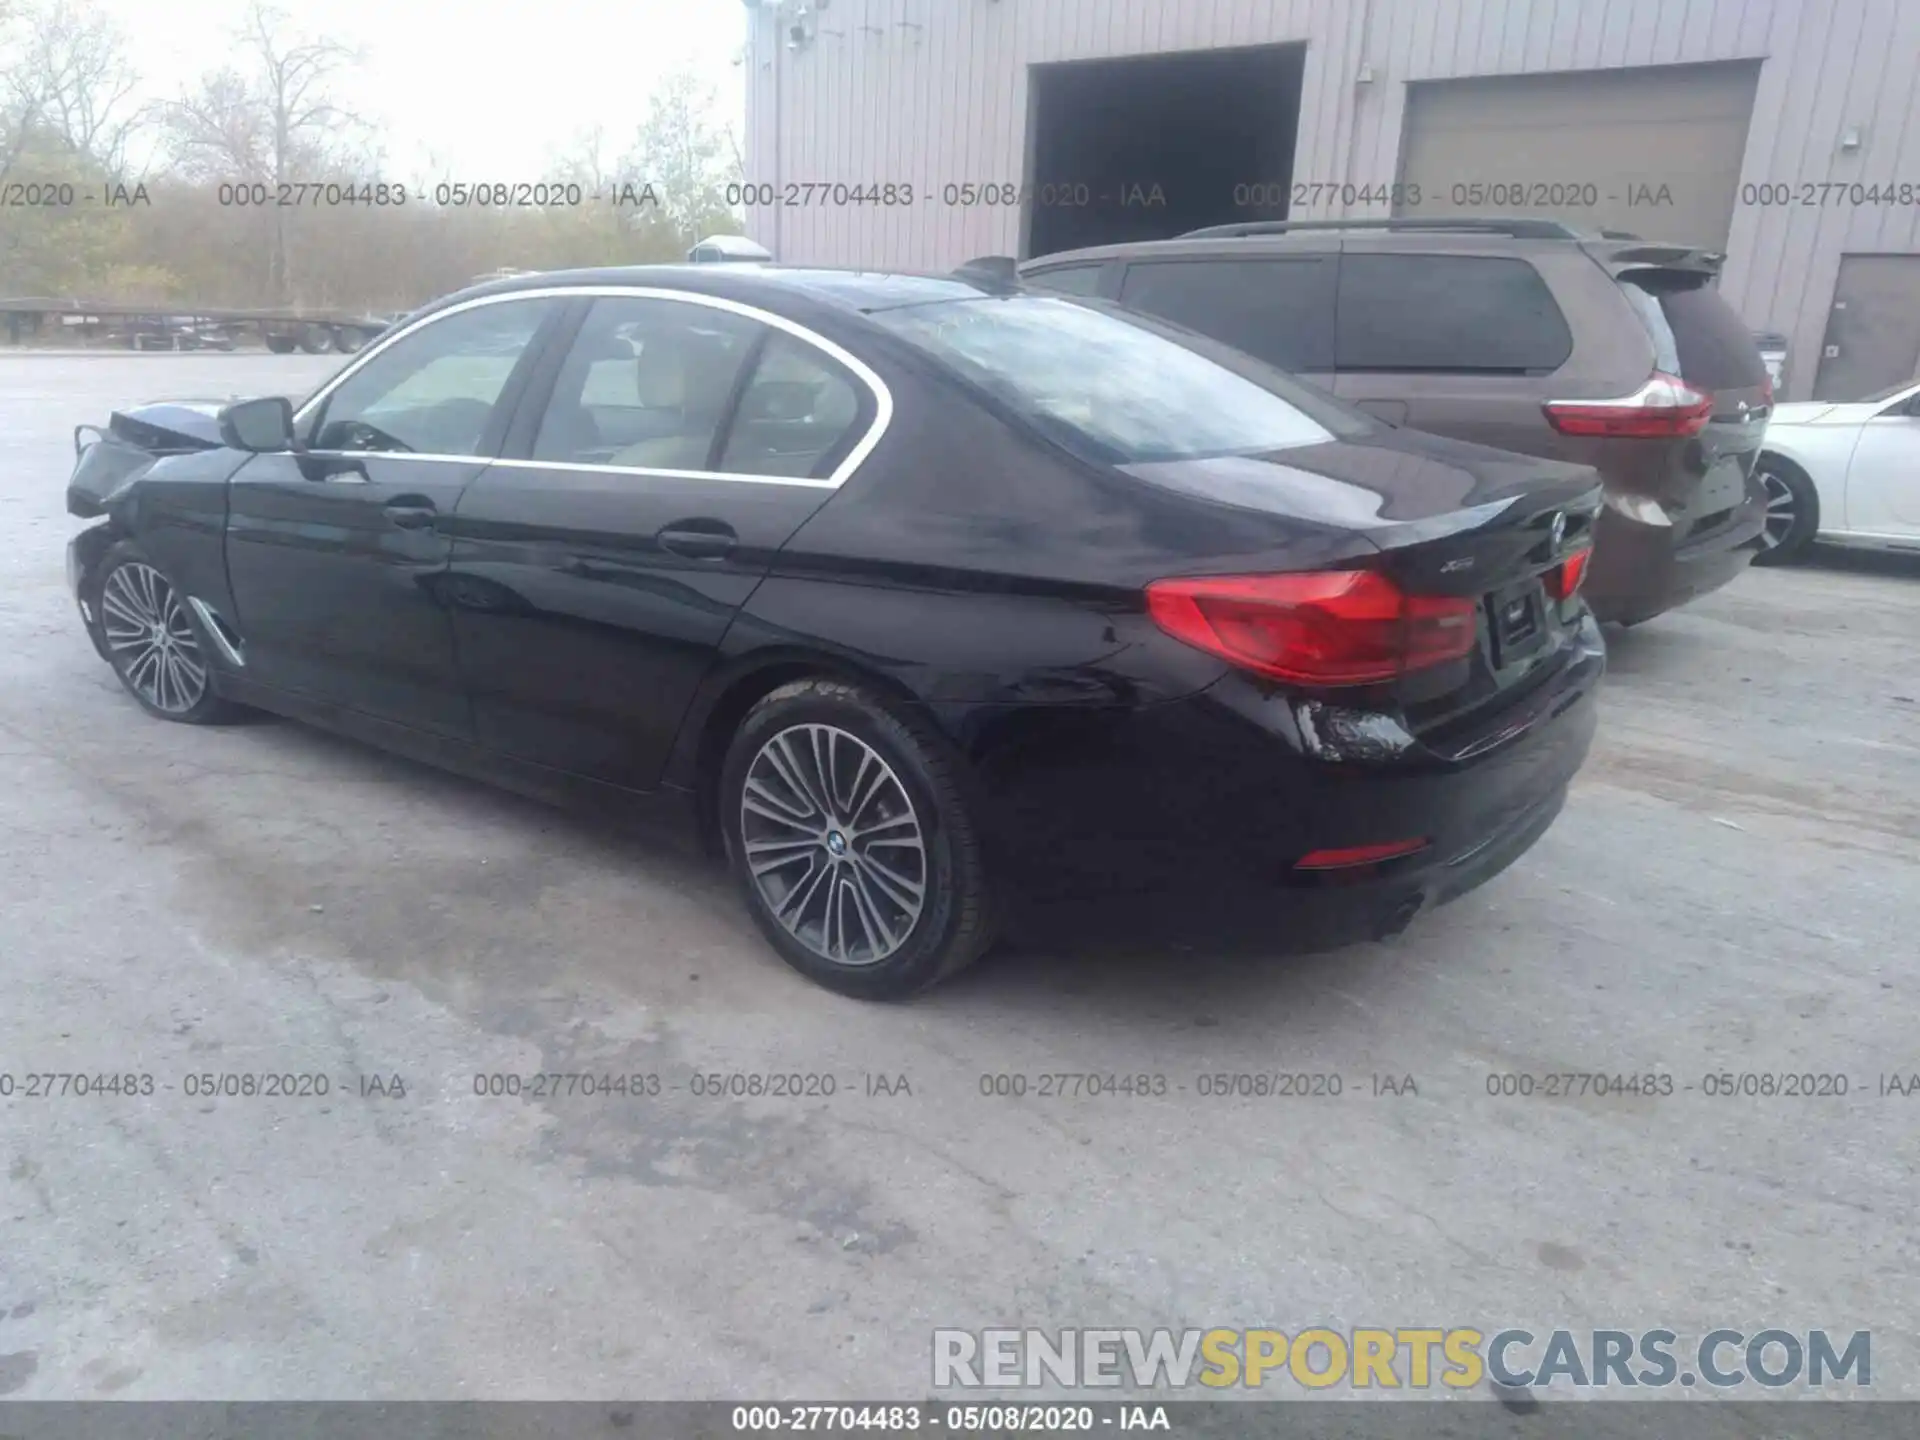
x,y
1517,233
1297,242
862,291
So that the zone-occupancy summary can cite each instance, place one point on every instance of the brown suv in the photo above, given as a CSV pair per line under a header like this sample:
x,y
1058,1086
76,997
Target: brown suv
x,y
1528,335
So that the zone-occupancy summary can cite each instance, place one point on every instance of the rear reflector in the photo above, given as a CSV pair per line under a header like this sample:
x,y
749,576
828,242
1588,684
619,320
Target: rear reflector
x,y
1358,855
1322,628
1666,407
1563,581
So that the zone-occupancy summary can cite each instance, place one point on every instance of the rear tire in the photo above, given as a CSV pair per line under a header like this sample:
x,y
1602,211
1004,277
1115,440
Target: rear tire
x,y
848,831
1793,511
153,640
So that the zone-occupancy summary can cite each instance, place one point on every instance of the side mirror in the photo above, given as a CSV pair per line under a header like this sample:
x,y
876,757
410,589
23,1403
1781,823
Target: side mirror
x,y
262,426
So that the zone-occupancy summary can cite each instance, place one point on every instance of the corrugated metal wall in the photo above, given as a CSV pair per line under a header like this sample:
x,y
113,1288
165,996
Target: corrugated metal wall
x,y
926,92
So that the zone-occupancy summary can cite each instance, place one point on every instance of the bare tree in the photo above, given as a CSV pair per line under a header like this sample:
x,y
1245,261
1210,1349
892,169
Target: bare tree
x,y
685,155
275,123
74,57
20,98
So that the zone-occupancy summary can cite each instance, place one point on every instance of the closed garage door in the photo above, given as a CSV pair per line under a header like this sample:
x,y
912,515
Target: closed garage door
x,y
1590,147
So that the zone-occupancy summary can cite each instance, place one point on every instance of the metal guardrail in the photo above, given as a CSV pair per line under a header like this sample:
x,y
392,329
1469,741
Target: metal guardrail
x,y
116,309
191,327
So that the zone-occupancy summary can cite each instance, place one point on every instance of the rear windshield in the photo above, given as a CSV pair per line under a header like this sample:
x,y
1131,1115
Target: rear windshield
x,y
1119,388
1695,332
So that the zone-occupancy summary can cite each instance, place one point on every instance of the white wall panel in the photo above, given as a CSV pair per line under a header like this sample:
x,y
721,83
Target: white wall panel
x,y
878,100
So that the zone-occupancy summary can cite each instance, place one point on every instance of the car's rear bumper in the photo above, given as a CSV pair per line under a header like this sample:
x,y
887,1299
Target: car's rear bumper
x,y
1640,570
1186,822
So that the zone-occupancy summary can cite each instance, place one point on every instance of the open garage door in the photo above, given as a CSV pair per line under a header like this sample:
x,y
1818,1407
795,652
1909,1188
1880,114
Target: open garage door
x,y
1142,147
1652,151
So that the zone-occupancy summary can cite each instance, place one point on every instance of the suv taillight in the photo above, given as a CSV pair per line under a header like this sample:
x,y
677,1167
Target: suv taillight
x,y
1563,581
1320,628
1666,408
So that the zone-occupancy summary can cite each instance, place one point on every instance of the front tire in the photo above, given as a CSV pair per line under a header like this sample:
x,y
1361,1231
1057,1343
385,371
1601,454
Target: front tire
x,y
152,640
848,831
1793,511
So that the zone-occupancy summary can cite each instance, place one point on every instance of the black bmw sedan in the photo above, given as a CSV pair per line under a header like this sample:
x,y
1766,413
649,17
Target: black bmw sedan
x,y
928,603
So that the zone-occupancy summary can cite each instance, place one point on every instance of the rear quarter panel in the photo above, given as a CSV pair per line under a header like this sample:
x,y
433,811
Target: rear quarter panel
x,y
970,561
985,574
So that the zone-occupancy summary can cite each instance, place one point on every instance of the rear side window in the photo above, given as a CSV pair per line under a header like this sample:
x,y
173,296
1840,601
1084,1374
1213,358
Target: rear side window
x,y
1070,279
1448,313
1696,333
1279,311
795,414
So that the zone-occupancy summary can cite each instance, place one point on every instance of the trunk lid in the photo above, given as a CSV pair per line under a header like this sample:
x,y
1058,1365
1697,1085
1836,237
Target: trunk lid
x,y
1446,518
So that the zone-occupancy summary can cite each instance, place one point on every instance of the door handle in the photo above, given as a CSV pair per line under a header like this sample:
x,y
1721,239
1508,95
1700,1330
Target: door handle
x,y
411,512
698,539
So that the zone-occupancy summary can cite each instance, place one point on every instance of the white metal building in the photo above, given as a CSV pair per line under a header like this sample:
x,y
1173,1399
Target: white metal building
x,y
1784,132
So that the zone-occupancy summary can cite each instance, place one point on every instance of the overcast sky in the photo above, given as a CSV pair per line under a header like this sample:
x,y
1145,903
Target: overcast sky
x,y
494,88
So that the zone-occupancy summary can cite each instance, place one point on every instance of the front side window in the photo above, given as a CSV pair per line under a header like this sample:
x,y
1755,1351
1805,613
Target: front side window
x,y
1120,388
438,390
646,385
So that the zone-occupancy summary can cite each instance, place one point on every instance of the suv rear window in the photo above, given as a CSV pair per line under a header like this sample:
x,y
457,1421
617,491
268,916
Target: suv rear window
x,y
1280,311
1448,313
1119,388
1696,333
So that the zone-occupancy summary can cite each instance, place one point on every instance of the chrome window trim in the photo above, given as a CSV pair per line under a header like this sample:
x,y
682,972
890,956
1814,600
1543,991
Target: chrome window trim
x,y
400,455
737,476
882,396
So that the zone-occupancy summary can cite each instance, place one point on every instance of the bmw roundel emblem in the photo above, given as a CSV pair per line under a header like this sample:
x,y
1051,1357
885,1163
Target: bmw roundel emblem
x,y
1559,528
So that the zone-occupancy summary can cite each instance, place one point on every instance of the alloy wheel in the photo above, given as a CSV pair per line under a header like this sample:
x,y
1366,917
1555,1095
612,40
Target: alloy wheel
x,y
833,844
1782,511
151,640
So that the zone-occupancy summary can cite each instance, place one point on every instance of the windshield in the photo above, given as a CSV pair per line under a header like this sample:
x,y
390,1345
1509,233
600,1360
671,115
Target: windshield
x,y
1891,392
1118,388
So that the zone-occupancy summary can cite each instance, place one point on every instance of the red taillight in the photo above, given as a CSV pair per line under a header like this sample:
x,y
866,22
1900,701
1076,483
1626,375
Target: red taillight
x,y
1563,581
1358,855
1666,407
1340,627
